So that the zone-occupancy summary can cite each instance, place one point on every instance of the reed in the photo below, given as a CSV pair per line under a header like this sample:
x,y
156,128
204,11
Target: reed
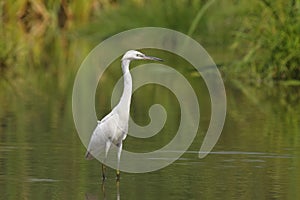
x,y
268,41
257,41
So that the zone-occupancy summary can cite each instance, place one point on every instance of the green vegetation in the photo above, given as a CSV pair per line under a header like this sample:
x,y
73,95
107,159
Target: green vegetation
x,y
269,41
258,41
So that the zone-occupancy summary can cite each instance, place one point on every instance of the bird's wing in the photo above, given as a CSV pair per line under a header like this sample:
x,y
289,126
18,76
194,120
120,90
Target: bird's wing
x,y
104,131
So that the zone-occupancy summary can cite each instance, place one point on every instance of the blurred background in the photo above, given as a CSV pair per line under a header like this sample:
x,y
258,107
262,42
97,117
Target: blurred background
x,y
256,46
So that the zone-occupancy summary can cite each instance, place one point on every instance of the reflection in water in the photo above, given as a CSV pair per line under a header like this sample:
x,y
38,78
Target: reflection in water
x,y
104,192
256,157
118,190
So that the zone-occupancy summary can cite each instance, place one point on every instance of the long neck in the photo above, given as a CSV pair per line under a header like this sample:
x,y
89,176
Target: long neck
x,y
126,96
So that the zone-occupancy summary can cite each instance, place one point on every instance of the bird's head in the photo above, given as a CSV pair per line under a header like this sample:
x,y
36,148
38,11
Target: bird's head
x,y
136,55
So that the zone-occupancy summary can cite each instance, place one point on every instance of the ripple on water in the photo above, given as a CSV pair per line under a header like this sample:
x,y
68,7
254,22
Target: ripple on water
x,y
35,180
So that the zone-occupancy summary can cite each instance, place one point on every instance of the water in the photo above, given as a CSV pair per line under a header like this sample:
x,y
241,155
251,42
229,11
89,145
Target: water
x,y
256,157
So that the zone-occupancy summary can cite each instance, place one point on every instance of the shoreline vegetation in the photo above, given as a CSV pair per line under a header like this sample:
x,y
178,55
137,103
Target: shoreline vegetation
x,y
46,40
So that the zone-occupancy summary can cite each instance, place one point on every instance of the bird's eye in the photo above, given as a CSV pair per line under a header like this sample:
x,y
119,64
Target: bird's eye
x,y
138,55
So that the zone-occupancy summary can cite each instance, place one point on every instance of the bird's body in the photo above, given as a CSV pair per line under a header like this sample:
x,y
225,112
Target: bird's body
x,y
113,128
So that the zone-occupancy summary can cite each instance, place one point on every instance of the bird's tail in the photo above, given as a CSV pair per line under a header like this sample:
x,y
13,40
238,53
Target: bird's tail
x,y
88,156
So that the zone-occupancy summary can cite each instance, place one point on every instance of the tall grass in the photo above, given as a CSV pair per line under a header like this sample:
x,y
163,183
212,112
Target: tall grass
x,y
37,47
48,39
177,15
268,41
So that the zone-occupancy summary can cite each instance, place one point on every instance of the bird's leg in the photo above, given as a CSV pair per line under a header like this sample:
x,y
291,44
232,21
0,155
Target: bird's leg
x,y
103,172
118,175
103,190
119,157
107,146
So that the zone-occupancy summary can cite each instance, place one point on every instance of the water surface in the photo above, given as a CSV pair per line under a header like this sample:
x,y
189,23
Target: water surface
x,y
256,157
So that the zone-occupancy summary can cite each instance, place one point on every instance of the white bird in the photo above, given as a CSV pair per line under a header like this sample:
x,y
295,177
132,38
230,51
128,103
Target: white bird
x,y
113,128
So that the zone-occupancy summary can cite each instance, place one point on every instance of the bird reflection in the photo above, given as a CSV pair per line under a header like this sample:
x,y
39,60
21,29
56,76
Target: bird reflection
x,y
94,197
117,188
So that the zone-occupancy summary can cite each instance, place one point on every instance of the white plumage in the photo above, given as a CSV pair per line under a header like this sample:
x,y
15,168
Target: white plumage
x,y
113,128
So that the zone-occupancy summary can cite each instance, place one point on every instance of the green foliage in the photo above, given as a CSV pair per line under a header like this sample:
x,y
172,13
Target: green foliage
x,y
39,37
268,41
177,15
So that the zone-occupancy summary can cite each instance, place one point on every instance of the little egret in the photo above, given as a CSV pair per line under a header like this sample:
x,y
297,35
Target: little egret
x,y
113,128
